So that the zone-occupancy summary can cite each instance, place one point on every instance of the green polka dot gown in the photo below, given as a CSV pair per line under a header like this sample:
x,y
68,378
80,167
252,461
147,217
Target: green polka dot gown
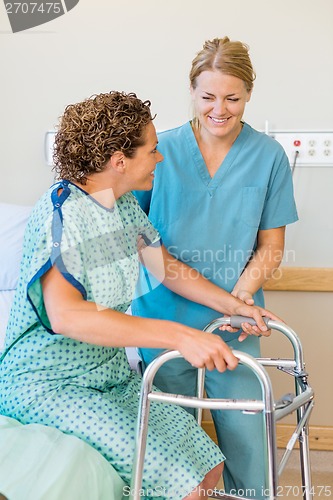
x,y
84,389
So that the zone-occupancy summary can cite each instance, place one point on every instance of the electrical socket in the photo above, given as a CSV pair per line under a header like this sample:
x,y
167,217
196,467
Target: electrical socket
x,y
48,147
315,148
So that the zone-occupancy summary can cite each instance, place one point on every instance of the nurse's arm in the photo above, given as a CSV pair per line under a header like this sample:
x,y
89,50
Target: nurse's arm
x,y
266,259
189,283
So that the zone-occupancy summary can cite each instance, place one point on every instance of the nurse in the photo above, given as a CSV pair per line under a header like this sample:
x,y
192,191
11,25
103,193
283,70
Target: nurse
x,y
221,200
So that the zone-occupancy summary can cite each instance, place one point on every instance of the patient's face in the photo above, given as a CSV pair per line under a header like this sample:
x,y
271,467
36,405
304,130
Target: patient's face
x,y
140,169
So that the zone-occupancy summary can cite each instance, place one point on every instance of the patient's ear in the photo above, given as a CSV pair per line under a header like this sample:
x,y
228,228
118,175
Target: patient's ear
x,y
118,162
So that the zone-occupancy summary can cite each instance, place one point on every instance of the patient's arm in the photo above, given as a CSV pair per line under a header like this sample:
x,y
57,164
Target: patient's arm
x,y
73,316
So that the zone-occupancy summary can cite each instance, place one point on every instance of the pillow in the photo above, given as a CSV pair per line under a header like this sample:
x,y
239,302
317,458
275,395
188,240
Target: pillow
x,y
13,219
6,300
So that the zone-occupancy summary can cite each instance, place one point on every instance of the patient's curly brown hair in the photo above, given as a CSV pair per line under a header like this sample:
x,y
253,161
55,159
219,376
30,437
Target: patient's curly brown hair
x,y
91,131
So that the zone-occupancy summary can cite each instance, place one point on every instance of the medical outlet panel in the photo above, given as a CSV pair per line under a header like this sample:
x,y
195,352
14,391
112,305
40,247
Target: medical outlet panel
x,y
315,149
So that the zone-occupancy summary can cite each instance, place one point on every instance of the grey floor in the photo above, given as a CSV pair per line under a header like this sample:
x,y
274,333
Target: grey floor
x,y
321,472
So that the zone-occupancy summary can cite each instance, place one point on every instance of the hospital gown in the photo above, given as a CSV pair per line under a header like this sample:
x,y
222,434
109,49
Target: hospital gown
x,y
84,389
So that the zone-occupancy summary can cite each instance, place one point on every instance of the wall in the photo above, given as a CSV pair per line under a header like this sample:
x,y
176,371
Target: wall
x,y
147,47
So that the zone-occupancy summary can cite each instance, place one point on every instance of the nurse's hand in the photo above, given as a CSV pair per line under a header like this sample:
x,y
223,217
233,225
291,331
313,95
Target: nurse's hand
x,y
244,296
254,312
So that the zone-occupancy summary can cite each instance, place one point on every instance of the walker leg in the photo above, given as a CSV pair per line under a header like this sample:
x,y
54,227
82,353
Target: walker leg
x,y
271,470
303,413
141,442
305,464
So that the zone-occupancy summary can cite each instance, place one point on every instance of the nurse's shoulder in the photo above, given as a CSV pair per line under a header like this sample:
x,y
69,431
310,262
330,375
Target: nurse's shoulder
x,y
173,135
266,142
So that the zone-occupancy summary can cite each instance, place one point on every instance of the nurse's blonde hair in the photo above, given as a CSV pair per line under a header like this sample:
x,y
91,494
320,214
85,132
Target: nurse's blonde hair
x,y
229,57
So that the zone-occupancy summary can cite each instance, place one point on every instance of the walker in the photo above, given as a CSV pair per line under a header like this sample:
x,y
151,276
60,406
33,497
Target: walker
x,y
272,412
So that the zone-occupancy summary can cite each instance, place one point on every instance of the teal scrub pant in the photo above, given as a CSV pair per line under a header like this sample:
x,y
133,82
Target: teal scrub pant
x,y
240,436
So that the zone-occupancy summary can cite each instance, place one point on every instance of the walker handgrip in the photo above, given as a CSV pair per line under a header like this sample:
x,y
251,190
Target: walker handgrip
x,y
236,321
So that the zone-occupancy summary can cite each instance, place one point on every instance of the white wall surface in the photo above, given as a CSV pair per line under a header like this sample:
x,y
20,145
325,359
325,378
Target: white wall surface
x,y
147,47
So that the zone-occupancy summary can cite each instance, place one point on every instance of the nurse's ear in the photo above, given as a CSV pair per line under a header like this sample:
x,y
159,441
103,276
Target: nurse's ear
x,y
249,94
118,162
191,89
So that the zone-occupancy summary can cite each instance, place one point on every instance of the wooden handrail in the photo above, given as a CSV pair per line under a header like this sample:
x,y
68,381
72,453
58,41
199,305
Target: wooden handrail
x,y
302,279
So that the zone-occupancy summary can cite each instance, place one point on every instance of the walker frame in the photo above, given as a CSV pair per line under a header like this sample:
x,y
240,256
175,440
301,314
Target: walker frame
x,y
302,403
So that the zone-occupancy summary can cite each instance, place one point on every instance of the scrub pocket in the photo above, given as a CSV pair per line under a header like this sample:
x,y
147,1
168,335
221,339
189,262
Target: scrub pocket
x,y
253,199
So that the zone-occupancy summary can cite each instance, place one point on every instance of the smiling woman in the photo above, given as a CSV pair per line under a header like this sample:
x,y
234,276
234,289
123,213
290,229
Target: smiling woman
x,y
228,224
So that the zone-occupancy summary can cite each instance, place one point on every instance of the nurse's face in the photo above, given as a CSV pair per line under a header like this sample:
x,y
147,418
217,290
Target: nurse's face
x,y
219,101
140,169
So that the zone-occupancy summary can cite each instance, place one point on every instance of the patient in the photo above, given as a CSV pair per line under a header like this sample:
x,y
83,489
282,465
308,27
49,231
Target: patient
x,y
64,363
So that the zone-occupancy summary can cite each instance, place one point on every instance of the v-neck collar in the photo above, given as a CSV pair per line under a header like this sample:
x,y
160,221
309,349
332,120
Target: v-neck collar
x,y
212,183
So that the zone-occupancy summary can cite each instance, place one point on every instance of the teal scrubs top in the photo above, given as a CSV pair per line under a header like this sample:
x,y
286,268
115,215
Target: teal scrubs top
x,y
211,224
